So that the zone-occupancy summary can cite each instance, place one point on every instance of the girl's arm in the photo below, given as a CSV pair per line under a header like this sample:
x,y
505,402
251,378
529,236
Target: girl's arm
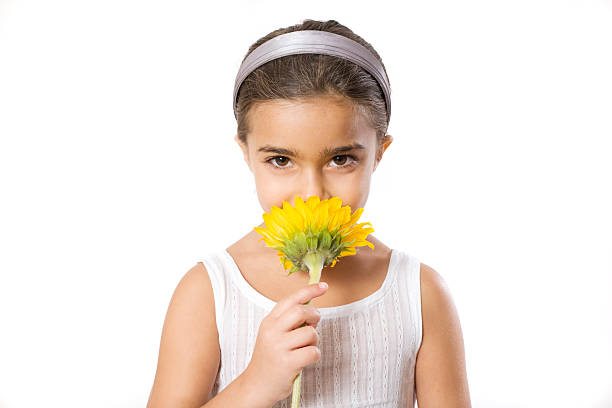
x,y
189,352
441,379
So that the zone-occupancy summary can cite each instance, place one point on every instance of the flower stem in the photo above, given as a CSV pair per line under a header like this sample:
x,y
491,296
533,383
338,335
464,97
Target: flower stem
x,y
314,261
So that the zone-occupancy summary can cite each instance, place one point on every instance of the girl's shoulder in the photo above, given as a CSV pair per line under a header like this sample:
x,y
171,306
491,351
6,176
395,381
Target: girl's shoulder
x,y
189,348
442,346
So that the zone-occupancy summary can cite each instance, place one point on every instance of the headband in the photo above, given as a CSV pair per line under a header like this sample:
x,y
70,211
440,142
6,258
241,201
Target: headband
x,y
315,42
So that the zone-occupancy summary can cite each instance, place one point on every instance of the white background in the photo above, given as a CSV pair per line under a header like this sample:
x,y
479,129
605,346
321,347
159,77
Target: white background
x,y
118,171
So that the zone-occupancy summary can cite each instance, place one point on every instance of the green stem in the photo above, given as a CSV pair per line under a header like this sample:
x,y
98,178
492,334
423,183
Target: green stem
x,y
314,261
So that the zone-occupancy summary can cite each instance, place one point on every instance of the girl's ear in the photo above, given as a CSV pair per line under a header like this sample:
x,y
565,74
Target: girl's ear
x,y
387,140
245,151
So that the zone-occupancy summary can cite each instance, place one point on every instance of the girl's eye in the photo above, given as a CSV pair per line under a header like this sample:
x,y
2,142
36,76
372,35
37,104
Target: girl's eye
x,y
346,157
281,161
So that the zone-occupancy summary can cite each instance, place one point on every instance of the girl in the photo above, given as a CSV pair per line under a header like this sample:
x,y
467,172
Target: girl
x,y
312,110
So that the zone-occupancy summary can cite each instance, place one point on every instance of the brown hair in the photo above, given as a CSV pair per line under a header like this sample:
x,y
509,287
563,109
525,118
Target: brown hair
x,y
306,75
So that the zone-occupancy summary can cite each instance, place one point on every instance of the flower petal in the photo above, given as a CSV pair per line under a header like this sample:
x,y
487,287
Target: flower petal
x,y
345,217
334,204
321,215
303,209
276,229
294,215
312,202
356,216
280,218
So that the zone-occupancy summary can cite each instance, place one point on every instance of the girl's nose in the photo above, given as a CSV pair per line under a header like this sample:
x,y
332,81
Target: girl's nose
x,y
305,194
312,185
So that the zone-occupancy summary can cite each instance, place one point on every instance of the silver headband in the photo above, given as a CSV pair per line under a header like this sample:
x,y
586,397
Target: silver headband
x,y
315,42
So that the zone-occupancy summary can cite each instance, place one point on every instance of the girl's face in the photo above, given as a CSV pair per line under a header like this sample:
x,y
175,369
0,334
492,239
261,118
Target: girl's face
x,y
315,146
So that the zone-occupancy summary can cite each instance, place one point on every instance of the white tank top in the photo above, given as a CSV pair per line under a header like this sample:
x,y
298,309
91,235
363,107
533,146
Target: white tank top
x,y
368,347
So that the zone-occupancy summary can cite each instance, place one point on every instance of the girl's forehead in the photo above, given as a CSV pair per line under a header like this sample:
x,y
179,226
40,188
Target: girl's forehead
x,y
314,121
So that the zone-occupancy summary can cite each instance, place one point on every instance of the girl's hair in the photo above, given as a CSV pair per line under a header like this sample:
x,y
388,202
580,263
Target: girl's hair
x,y
305,75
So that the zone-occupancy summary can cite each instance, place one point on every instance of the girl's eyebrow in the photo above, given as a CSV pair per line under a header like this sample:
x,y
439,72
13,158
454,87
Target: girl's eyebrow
x,y
328,151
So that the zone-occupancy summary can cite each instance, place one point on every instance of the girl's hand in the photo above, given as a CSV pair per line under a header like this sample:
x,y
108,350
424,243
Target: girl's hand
x,y
283,347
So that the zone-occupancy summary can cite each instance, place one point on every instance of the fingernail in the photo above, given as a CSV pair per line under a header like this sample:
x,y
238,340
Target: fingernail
x,y
323,285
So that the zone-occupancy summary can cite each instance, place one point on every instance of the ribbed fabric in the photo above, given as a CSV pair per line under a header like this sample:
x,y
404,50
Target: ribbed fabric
x,y
368,347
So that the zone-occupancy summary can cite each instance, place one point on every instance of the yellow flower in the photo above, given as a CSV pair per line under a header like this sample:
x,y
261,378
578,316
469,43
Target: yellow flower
x,y
314,232
311,236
